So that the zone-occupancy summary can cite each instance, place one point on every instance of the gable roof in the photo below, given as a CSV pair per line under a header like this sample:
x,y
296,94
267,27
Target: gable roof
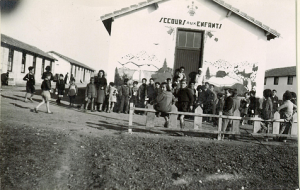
x,y
72,61
108,18
281,72
18,45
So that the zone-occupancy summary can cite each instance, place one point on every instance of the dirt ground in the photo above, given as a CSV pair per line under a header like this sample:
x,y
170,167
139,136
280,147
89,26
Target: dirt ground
x,y
70,149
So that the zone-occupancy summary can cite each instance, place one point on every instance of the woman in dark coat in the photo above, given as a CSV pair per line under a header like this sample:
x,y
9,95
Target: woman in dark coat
x,y
101,84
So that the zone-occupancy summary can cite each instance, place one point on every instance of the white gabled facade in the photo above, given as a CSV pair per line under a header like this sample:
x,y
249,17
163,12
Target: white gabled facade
x,y
214,40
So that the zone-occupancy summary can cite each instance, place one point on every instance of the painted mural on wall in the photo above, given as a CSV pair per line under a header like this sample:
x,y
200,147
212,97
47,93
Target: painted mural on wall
x,y
241,76
139,66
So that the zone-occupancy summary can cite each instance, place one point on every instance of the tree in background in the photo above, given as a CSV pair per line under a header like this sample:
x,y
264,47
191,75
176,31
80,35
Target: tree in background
x,y
163,73
165,68
207,75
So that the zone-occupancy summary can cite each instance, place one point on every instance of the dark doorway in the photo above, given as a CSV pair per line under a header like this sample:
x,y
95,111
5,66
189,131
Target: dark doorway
x,y
188,52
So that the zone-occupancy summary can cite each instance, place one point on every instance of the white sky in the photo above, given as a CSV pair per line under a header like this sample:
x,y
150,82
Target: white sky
x,y
73,27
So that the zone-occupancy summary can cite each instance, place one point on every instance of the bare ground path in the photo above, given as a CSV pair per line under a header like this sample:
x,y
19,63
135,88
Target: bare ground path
x,y
73,150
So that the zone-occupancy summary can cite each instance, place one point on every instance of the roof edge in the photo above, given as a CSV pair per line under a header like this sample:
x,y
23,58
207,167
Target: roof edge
x,y
72,62
270,33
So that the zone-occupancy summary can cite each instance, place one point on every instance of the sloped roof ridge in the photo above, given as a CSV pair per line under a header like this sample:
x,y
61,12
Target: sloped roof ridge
x,y
220,2
282,71
21,45
72,60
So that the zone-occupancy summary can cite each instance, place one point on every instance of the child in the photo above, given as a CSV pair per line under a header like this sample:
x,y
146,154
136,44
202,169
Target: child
x,y
134,93
163,103
169,84
252,105
151,91
72,93
60,88
227,110
142,94
181,74
157,89
185,101
244,106
125,95
46,90
112,97
90,94
29,77
287,114
267,111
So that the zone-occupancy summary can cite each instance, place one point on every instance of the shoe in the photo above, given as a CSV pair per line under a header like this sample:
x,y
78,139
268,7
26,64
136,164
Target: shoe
x,y
26,100
35,110
125,112
50,112
118,112
31,100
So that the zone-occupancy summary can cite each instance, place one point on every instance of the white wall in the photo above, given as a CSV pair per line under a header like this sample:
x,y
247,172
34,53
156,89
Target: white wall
x,y
282,85
60,66
16,71
4,59
238,40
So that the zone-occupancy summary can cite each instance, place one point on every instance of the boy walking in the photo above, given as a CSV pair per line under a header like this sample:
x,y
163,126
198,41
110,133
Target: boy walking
x,y
29,77
185,101
46,90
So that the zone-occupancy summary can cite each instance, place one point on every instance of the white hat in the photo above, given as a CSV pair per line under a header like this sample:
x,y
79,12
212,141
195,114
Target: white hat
x,y
200,69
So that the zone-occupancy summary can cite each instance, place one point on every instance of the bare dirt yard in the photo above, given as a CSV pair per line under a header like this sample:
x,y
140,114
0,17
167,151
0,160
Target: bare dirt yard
x,y
70,149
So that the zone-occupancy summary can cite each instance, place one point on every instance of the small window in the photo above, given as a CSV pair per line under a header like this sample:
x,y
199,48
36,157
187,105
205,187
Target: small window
x,y
290,80
10,60
265,81
276,79
23,63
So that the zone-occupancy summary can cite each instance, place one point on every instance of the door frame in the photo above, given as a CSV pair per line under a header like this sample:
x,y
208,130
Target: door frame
x,y
202,45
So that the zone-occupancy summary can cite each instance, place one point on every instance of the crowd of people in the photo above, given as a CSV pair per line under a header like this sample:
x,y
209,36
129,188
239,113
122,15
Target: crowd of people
x,y
104,97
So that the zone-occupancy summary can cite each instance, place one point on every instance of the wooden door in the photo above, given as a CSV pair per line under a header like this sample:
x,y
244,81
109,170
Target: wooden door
x,y
188,53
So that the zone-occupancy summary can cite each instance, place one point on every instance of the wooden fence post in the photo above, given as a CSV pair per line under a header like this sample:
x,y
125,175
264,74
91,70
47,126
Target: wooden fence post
x,y
236,123
220,126
294,130
198,120
130,115
256,125
150,120
173,118
276,125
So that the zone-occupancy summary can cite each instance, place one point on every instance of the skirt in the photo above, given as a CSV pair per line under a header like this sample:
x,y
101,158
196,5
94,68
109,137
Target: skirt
x,y
101,96
46,95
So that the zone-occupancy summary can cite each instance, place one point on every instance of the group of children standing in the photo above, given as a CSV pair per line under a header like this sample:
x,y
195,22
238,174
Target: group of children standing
x,y
186,97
